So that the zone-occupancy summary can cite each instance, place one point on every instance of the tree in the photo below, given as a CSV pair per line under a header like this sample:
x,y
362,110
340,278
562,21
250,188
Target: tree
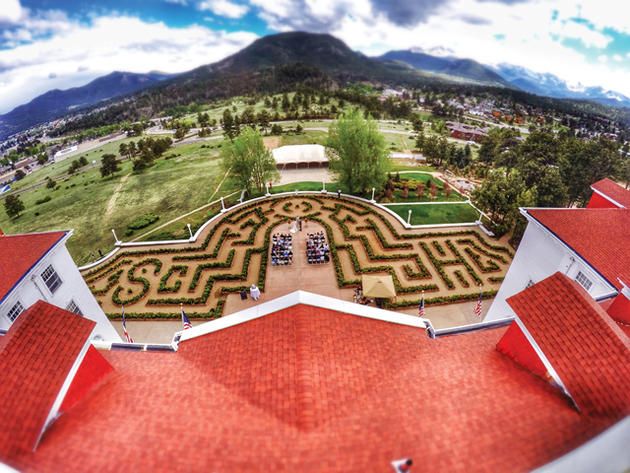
x,y
263,119
109,165
250,164
19,175
13,205
550,189
500,195
357,154
276,129
50,183
230,127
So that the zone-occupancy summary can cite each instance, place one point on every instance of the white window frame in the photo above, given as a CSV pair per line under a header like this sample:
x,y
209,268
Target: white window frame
x,y
74,308
583,280
50,274
17,306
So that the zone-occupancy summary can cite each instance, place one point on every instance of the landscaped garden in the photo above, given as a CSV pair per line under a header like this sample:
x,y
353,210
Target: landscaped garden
x,y
232,253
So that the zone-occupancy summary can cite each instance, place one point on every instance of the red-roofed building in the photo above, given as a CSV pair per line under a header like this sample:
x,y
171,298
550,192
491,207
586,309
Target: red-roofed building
x,y
561,329
607,194
43,360
591,246
37,266
294,384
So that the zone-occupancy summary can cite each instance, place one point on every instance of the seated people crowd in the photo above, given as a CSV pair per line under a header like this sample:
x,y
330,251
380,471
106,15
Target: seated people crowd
x,y
281,249
317,250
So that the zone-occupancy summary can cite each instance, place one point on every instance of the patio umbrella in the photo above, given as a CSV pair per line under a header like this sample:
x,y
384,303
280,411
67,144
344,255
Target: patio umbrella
x,y
378,286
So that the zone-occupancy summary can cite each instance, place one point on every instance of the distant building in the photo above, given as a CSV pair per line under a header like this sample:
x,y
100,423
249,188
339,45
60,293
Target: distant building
x,y
37,266
63,153
461,131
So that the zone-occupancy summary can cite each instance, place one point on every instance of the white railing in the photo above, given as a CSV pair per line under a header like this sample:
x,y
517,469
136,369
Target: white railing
x,y
210,221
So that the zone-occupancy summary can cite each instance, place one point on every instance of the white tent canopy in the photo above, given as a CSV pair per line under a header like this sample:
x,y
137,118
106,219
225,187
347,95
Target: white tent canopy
x,y
300,154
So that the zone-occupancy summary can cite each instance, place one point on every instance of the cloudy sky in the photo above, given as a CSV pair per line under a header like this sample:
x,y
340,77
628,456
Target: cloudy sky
x,y
47,44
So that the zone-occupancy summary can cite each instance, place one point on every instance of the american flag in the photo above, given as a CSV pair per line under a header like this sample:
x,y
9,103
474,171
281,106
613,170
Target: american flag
x,y
185,320
421,311
477,310
124,324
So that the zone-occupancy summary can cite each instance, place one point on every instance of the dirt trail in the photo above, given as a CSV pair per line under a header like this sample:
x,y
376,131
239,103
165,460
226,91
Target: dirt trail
x,y
112,200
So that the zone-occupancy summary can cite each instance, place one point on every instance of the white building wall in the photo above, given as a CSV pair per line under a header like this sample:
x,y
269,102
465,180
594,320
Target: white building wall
x,y
540,255
73,288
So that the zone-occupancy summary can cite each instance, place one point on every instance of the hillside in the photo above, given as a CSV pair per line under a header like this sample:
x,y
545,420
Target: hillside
x,y
449,66
56,103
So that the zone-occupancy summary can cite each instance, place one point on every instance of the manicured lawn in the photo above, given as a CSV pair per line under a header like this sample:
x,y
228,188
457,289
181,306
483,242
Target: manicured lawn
x,y
423,214
306,137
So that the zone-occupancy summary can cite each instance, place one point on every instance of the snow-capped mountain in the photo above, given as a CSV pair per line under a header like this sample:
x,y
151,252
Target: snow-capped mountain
x,y
552,86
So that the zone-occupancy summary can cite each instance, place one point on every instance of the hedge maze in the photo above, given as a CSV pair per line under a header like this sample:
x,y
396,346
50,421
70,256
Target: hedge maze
x,y
448,265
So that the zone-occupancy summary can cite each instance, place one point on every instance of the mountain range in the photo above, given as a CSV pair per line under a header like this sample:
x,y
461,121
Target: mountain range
x,y
56,103
277,62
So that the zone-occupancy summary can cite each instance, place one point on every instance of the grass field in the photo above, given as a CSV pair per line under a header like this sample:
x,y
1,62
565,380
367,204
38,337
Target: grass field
x,y
92,205
425,214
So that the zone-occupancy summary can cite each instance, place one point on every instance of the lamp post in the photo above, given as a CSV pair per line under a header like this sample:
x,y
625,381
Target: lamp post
x,y
222,205
267,189
115,237
190,230
323,186
373,190
409,217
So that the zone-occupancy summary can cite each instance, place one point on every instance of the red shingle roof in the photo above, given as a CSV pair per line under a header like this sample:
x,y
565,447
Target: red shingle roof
x,y
19,253
600,236
311,390
36,355
613,191
584,345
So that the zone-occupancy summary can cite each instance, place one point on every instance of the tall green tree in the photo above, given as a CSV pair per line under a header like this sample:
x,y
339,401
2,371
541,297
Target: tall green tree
x,y
250,164
357,152
109,165
13,205
584,162
500,195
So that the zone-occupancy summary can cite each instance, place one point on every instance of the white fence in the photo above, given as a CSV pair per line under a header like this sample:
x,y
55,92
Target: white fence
x,y
139,244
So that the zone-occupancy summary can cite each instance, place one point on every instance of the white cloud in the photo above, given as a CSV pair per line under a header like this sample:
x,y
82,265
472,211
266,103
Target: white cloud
x,y
107,44
10,11
178,2
531,37
224,8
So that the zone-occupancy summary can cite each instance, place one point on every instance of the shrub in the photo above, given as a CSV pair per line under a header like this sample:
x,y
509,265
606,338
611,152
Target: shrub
x,y
43,200
143,221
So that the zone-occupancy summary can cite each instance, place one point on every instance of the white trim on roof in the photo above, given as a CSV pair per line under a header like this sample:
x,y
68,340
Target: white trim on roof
x,y
306,298
530,218
608,198
61,395
545,361
23,278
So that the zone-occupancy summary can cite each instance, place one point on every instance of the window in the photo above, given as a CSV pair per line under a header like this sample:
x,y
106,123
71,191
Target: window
x,y
51,278
16,310
73,307
583,280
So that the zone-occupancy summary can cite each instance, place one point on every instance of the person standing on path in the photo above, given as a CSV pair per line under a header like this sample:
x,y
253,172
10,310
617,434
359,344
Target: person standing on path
x,y
254,292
